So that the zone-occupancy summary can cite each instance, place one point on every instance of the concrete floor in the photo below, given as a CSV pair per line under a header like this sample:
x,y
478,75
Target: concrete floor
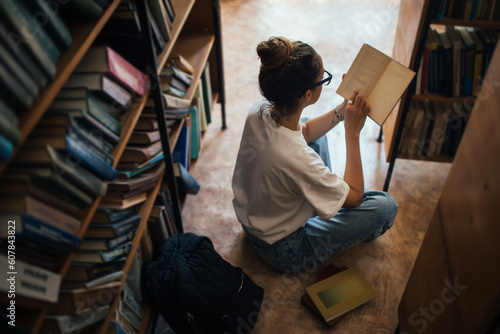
x,y
336,29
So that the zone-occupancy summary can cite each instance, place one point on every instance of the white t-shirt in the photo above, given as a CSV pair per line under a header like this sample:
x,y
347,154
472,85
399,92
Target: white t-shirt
x,y
279,181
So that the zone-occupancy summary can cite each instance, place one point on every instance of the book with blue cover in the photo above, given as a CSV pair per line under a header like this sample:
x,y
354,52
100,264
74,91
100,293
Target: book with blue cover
x,y
34,229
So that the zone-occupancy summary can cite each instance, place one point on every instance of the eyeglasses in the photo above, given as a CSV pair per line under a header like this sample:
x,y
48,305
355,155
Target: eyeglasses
x,y
327,78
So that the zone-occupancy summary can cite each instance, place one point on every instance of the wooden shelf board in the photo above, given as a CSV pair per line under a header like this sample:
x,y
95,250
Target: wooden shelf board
x,y
437,158
195,48
182,9
83,35
144,212
441,98
448,21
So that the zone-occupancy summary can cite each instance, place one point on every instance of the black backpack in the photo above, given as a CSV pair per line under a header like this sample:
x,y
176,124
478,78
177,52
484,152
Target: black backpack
x,y
197,291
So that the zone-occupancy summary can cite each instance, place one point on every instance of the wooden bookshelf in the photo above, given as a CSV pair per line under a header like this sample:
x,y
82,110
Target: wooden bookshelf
x,y
196,44
460,243
415,18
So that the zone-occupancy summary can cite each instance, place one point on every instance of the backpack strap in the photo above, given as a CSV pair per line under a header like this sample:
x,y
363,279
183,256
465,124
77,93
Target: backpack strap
x,y
190,318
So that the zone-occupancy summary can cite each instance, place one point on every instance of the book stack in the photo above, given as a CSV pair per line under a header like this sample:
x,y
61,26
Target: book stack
x,y
122,31
486,10
128,312
455,60
433,129
161,222
176,76
27,61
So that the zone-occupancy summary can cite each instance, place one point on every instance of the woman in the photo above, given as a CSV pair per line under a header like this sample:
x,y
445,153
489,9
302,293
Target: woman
x,y
295,211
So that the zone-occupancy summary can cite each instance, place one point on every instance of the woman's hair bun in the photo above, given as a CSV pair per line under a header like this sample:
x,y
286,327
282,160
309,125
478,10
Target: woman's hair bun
x,y
275,51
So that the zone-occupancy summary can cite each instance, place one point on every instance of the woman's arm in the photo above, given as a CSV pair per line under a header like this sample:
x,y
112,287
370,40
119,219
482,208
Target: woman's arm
x,y
317,127
354,119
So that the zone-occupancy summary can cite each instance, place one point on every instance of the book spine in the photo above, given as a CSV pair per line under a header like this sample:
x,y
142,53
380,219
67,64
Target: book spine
x,y
98,166
129,298
95,124
96,110
122,324
88,145
82,177
31,281
116,253
52,216
112,243
9,129
12,12
55,26
40,34
129,315
41,232
67,324
126,73
92,135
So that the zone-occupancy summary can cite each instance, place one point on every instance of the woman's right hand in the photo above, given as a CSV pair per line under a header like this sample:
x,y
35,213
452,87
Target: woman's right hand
x,y
355,114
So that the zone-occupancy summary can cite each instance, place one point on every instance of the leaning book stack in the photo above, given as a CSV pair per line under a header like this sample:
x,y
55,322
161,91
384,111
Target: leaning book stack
x,y
27,61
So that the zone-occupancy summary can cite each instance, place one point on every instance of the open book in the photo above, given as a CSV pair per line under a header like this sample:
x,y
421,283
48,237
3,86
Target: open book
x,y
380,80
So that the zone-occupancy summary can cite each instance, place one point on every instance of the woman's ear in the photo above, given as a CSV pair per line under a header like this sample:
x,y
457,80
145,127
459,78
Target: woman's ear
x,y
308,95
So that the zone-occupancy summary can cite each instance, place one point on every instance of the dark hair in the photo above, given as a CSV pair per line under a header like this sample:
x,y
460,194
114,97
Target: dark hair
x,y
288,68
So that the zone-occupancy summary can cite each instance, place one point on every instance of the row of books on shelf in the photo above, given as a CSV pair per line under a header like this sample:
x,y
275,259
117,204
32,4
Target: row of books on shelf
x,y
433,128
123,29
455,60
488,10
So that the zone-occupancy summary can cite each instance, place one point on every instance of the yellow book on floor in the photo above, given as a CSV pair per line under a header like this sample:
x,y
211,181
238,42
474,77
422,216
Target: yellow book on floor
x,y
340,293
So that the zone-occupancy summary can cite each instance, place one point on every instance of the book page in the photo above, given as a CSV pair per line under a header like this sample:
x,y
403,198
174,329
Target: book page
x,y
364,72
379,79
391,85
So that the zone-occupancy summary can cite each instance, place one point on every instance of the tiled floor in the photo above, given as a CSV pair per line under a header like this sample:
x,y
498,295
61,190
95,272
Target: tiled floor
x,y
337,30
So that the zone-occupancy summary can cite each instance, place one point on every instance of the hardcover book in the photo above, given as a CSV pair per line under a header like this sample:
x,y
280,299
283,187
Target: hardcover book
x,y
106,216
73,145
65,116
67,324
91,256
101,83
64,165
380,79
340,293
42,211
24,184
104,244
30,281
114,229
79,271
106,60
39,231
78,301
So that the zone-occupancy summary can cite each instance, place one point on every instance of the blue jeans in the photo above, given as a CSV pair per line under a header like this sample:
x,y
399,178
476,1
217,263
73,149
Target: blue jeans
x,y
320,239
